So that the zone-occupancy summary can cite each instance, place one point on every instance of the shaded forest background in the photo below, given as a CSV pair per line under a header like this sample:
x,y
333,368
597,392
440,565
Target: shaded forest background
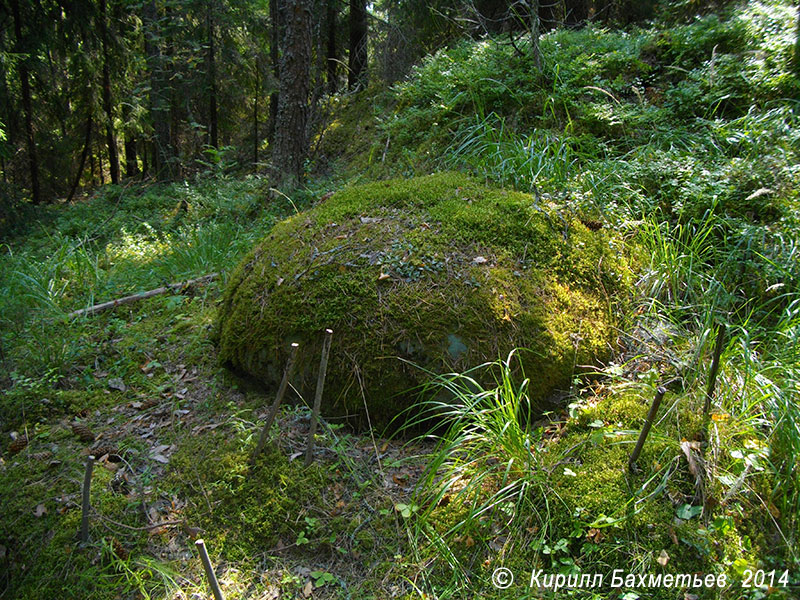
x,y
108,90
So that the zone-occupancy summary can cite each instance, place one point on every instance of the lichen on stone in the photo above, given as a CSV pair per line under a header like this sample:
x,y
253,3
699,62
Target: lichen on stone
x,y
430,274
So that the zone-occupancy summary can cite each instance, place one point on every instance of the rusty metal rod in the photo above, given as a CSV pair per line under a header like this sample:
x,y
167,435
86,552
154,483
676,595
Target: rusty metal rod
x,y
648,423
209,569
262,440
712,374
323,367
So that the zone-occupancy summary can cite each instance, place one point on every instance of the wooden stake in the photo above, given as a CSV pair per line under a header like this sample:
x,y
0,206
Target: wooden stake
x,y
273,412
323,368
648,423
712,374
87,486
210,575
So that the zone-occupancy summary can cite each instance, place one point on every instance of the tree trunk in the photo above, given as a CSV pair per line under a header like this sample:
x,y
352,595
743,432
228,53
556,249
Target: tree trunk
x,y
797,45
534,25
100,162
274,55
131,166
92,167
577,12
255,112
27,105
145,165
211,71
331,55
291,142
87,142
357,58
551,14
111,141
159,108
604,11
171,92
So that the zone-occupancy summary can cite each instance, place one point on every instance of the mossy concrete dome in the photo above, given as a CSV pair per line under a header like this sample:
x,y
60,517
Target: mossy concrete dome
x,y
437,274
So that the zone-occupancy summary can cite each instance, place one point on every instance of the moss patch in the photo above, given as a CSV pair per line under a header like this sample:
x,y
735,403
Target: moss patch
x,y
244,510
438,271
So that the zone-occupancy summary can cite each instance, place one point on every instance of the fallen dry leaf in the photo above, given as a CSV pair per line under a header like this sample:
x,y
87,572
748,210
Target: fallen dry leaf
x,y
116,383
663,558
595,535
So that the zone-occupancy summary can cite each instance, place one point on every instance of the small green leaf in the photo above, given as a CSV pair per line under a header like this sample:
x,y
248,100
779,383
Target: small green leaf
x,y
406,510
687,511
597,437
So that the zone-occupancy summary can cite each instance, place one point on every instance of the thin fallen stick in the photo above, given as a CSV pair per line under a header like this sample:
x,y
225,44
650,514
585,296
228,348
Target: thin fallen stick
x,y
210,575
648,423
86,505
712,374
273,411
145,528
92,310
323,368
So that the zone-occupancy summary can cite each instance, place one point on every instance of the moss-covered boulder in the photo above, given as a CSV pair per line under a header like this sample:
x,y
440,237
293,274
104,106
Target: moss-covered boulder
x,y
436,273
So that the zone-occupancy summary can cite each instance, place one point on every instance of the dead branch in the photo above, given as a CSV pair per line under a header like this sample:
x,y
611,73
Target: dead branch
x,y
172,287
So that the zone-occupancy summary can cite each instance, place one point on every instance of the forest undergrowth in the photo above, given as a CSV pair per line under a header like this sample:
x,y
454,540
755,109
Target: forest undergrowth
x,y
684,136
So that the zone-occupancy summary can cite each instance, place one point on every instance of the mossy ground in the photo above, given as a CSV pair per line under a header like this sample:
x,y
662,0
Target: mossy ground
x,y
584,511
273,528
686,132
352,506
433,274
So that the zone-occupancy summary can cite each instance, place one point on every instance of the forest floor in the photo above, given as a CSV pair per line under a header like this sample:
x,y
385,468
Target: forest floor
x,y
165,419
683,136
174,430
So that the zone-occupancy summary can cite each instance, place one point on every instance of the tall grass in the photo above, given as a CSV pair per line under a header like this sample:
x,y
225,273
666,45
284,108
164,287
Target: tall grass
x,y
485,462
122,241
689,140
761,386
492,149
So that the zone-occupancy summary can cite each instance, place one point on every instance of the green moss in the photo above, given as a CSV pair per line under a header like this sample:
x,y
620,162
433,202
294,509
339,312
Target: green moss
x,y
244,511
42,517
407,270
583,508
350,138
